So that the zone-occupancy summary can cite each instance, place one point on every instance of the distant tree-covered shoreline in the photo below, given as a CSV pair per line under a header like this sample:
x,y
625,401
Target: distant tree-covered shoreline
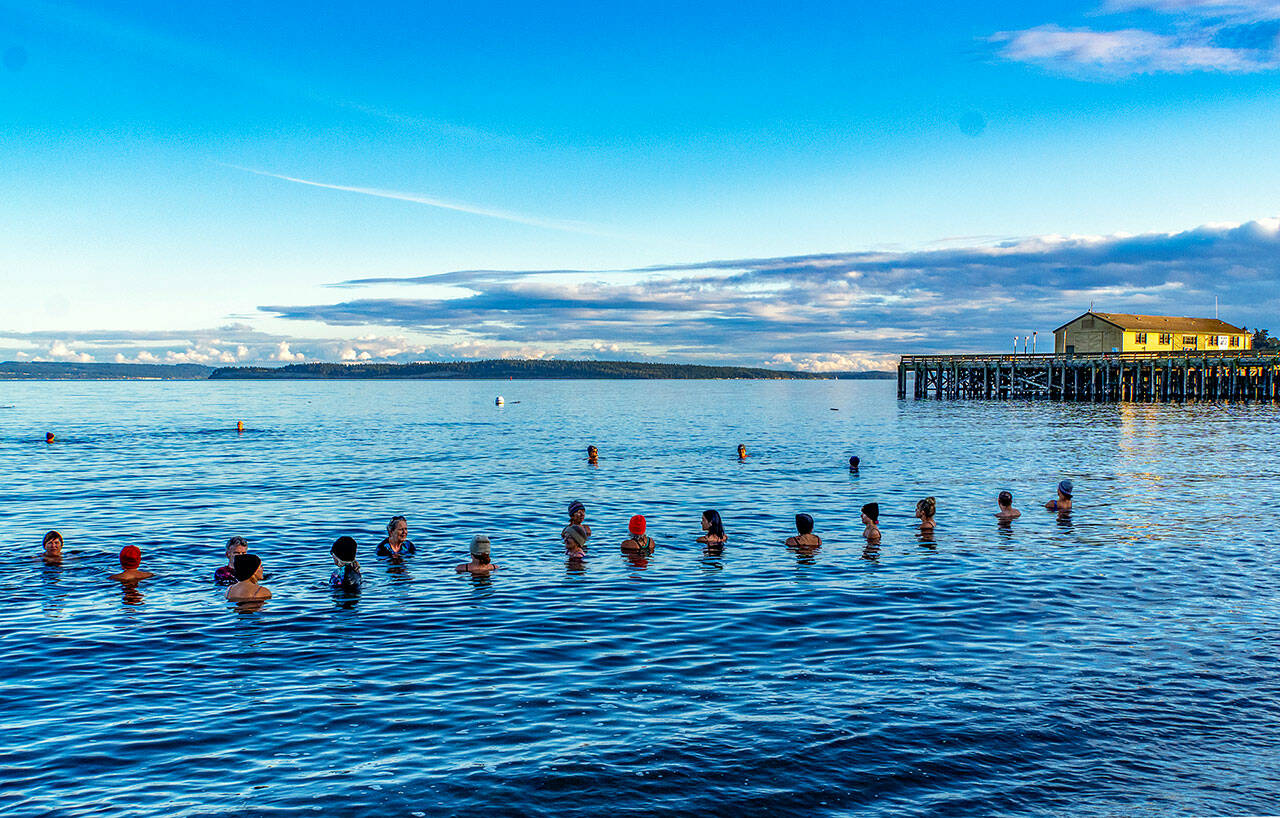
x,y
502,369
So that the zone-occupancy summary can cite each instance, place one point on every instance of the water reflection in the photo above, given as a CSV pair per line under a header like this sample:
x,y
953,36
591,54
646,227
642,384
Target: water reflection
x,y
130,595
638,557
804,554
712,557
53,599
871,551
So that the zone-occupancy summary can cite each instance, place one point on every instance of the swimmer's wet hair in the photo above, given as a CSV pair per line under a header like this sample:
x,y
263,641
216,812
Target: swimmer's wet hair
x,y
246,565
391,526
236,542
804,523
1005,499
872,510
928,506
344,548
50,535
715,526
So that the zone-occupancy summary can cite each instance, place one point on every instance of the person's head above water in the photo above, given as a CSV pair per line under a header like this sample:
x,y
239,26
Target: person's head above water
x,y
926,508
397,528
1064,488
742,450
1005,499
636,526
344,550
592,452
872,512
480,545
130,557
236,545
712,523
854,462
577,511
804,523
52,542
247,566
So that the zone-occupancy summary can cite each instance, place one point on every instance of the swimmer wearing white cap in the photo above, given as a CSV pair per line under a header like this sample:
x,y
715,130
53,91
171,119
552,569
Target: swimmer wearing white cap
x,y
479,557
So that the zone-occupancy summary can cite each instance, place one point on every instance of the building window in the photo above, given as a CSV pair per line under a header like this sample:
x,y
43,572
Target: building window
x,y
1189,340
1140,337
1235,340
1166,338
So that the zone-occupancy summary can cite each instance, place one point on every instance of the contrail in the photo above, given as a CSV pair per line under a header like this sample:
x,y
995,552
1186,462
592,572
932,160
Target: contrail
x,y
431,201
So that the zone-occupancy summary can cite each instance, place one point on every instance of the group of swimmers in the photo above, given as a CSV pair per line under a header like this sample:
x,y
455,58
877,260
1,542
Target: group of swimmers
x,y
242,573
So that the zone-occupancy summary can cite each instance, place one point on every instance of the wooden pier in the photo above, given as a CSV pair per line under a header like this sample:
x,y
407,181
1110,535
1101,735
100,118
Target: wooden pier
x,y
1239,376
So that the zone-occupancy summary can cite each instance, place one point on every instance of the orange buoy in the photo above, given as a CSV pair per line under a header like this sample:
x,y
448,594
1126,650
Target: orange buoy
x,y
48,437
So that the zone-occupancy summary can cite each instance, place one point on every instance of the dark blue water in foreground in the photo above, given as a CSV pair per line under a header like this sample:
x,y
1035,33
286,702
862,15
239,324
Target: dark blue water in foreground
x,y
1123,661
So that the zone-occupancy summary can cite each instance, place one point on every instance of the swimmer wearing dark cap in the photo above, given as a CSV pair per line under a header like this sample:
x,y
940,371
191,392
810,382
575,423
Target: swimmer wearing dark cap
x,y
805,536
577,513
871,519
593,455
248,569
854,462
346,573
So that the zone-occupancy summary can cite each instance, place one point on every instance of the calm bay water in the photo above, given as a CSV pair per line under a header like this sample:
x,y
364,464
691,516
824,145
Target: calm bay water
x,y
1122,661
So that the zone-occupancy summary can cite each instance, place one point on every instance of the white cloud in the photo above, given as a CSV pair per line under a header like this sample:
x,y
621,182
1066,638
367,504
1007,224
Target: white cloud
x,y
1176,37
60,351
284,354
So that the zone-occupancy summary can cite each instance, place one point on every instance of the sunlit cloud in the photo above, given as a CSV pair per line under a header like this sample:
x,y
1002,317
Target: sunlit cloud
x,y
837,309
1174,37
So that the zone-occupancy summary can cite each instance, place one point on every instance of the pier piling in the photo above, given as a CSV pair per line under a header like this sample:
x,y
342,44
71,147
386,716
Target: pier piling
x,y
1239,376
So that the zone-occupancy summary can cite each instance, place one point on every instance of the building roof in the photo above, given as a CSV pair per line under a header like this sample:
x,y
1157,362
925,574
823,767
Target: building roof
x,y
1162,323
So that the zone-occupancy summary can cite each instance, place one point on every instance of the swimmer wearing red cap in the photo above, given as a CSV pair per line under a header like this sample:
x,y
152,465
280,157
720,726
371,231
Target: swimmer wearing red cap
x,y
130,559
639,540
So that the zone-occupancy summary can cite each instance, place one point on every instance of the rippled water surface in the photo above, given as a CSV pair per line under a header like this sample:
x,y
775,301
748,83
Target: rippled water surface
x,y
1119,661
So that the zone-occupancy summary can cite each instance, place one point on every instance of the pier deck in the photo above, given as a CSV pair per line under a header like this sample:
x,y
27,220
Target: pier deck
x,y
1118,376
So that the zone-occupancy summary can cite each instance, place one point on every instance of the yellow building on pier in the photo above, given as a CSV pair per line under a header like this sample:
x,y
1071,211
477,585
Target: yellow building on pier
x,y
1096,332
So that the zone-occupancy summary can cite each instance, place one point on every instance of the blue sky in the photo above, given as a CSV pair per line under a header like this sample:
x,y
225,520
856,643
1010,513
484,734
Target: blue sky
x,y
822,185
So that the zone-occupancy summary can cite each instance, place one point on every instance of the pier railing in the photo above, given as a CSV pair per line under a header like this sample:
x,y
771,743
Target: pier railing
x,y
1174,375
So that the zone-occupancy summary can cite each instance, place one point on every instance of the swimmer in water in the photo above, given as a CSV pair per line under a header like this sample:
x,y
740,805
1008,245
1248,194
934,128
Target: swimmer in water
x,y
854,462
480,563
871,519
742,452
396,544
805,535
346,572
1063,503
248,575
712,524
52,554
130,559
1007,512
575,541
577,513
226,574
593,454
639,541
925,509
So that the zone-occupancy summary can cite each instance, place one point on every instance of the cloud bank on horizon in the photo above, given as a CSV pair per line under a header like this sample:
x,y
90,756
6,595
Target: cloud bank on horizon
x,y
826,312
1167,37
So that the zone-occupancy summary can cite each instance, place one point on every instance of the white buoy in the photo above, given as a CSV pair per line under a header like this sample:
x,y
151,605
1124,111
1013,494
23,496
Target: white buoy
x,y
498,401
